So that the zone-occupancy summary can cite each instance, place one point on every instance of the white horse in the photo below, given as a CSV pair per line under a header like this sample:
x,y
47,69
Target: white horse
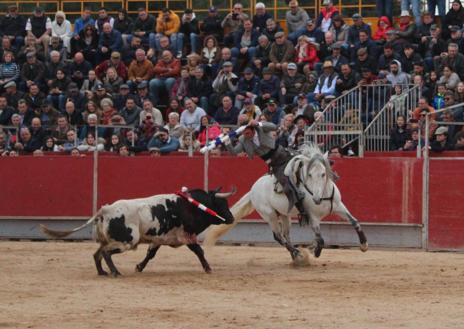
x,y
312,173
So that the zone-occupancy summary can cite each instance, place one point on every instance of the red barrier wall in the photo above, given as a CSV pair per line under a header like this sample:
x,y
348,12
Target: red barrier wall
x,y
46,186
379,190
446,224
374,189
382,189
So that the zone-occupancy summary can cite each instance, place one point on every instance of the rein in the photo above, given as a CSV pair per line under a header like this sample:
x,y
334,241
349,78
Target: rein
x,y
331,198
199,205
299,180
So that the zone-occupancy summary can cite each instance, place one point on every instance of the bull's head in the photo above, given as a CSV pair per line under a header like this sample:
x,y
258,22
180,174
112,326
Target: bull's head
x,y
221,206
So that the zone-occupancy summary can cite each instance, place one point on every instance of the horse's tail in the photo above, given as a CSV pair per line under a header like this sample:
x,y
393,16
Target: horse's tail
x,y
242,208
62,234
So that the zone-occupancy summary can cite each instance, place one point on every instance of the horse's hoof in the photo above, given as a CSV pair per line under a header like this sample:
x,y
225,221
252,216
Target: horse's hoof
x,y
208,270
364,247
138,268
319,246
295,253
302,258
115,274
103,273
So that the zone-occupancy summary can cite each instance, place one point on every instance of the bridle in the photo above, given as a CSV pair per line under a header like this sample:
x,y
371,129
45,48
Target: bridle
x,y
300,180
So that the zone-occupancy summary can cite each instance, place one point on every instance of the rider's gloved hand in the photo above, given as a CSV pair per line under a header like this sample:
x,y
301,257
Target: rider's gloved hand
x,y
232,134
218,141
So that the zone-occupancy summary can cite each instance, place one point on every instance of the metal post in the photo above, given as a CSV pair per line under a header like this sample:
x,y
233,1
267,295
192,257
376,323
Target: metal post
x,y
361,145
425,187
206,164
95,174
190,149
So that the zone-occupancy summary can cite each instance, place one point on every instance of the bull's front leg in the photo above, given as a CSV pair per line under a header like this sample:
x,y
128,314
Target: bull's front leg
x,y
151,253
196,248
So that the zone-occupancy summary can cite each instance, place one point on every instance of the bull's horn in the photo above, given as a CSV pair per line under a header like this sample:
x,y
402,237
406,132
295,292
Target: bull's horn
x,y
227,194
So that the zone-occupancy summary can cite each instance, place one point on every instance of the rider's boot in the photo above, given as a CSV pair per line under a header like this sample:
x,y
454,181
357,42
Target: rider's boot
x,y
303,216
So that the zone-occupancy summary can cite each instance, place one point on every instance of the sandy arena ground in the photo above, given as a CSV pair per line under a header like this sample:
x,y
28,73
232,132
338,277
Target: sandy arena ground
x,y
54,285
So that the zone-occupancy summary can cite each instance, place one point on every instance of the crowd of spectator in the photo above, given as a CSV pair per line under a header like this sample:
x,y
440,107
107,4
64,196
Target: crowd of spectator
x,y
155,83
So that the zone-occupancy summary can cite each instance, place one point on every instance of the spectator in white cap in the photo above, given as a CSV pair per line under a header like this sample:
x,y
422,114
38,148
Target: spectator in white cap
x,y
260,18
61,28
441,141
416,9
406,28
324,20
291,85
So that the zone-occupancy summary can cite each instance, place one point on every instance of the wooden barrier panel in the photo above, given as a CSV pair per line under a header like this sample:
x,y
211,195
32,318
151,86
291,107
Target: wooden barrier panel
x,y
46,186
382,189
139,177
374,189
446,223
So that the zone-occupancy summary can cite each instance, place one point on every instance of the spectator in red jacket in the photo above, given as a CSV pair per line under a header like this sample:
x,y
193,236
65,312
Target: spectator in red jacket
x,y
383,25
116,62
306,54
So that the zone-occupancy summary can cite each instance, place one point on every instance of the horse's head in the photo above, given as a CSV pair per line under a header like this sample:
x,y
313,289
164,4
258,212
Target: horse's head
x,y
312,169
317,177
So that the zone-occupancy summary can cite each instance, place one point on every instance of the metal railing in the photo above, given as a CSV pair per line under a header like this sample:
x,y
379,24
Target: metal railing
x,y
339,123
344,119
377,133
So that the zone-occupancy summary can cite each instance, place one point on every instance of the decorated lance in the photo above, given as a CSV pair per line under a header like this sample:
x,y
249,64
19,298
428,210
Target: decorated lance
x,y
223,138
183,193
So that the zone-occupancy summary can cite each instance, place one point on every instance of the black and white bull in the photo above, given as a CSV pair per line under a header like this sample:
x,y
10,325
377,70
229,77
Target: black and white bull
x,y
165,219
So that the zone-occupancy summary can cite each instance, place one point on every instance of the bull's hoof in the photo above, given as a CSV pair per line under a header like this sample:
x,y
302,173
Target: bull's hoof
x,y
208,270
138,268
115,274
364,247
102,273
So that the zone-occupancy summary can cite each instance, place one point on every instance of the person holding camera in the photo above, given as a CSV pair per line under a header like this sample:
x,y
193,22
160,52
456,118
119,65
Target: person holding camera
x,y
226,83
232,23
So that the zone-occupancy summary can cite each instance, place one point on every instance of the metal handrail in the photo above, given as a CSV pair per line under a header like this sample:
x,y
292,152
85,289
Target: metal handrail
x,y
377,132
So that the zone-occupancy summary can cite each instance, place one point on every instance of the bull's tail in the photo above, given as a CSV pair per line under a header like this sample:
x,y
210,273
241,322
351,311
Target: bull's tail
x,y
62,234
242,208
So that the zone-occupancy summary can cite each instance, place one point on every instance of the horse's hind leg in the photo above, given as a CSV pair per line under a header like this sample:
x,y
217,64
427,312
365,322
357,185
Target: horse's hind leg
x,y
281,234
343,212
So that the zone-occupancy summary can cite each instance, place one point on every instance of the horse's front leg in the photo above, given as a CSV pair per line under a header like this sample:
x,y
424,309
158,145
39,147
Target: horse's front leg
x,y
315,224
343,212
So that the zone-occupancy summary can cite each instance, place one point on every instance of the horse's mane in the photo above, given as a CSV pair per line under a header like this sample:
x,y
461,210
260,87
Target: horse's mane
x,y
310,149
314,153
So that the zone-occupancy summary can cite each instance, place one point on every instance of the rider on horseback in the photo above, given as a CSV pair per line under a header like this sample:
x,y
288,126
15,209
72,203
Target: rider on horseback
x,y
257,139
